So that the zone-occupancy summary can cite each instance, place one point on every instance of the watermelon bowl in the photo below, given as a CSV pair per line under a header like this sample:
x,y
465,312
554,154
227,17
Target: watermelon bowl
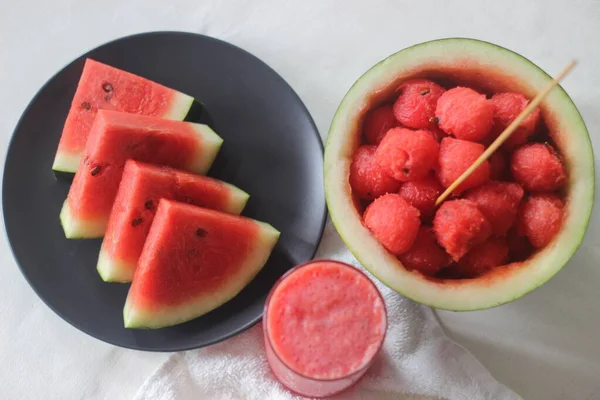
x,y
273,153
380,238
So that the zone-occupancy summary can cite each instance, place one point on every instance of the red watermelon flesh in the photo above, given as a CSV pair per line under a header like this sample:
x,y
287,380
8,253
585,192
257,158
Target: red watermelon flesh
x,y
498,202
455,157
116,137
193,261
141,188
102,87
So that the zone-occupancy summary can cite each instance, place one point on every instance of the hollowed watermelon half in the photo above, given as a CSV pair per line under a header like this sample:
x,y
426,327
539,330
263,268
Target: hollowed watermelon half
x,y
490,69
193,261
116,137
141,188
102,87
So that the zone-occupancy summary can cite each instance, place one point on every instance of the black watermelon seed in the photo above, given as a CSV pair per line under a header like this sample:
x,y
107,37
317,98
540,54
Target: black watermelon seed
x,y
136,222
96,170
201,232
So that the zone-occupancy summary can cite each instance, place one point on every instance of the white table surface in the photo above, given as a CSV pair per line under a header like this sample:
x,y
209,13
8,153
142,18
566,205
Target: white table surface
x,y
544,346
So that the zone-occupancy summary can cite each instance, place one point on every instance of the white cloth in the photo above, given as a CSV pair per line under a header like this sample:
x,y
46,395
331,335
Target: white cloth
x,y
543,346
417,361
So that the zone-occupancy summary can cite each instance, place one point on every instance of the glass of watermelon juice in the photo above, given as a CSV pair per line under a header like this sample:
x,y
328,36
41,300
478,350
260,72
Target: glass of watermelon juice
x,y
324,323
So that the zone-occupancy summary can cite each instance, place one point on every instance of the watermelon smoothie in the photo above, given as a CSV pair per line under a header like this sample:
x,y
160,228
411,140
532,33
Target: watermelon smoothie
x,y
324,322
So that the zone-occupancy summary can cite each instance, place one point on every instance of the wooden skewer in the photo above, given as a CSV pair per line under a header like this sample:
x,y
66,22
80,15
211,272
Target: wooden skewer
x,y
506,133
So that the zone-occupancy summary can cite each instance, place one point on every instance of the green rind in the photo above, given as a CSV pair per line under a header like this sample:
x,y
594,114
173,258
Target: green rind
x,y
160,317
463,295
77,229
237,199
66,162
210,145
180,107
112,270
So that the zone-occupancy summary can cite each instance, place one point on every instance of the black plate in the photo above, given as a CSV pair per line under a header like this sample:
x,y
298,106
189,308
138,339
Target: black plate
x,y
271,149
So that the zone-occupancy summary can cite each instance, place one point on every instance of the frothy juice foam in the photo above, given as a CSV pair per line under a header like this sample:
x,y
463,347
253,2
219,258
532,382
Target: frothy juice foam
x,y
324,322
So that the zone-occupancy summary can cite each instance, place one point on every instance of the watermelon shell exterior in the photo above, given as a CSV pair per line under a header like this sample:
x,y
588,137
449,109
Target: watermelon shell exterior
x,y
489,68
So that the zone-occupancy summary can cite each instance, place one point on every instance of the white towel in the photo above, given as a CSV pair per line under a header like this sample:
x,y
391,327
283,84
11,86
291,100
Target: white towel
x,y
417,362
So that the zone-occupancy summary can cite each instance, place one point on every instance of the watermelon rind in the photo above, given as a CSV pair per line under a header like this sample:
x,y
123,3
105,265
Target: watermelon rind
x,y
182,107
181,104
211,144
237,201
159,317
112,269
503,284
76,228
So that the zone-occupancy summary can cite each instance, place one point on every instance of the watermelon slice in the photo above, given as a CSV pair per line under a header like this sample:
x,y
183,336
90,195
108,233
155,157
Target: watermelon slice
x,y
116,137
102,87
141,187
193,261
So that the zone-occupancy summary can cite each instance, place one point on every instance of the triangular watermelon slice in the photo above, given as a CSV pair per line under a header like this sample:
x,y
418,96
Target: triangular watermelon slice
x,y
116,137
102,87
141,188
193,261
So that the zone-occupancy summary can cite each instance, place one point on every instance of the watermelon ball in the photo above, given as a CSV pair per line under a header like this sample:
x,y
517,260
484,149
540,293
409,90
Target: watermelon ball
x,y
464,113
422,194
459,225
483,258
499,170
367,179
425,255
377,122
536,167
540,218
455,157
507,106
407,155
499,203
393,221
415,105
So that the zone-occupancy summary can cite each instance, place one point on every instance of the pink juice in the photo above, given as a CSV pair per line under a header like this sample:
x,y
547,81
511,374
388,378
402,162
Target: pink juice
x,y
324,323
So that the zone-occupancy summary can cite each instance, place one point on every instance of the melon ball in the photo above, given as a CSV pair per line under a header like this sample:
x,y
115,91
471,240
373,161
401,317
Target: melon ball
x,y
367,179
499,203
464,113
483,258
459,225
425,255
540,218
422,194
499,170
407,155
377,122
536,167
416,103
507,106
393,222
455,157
